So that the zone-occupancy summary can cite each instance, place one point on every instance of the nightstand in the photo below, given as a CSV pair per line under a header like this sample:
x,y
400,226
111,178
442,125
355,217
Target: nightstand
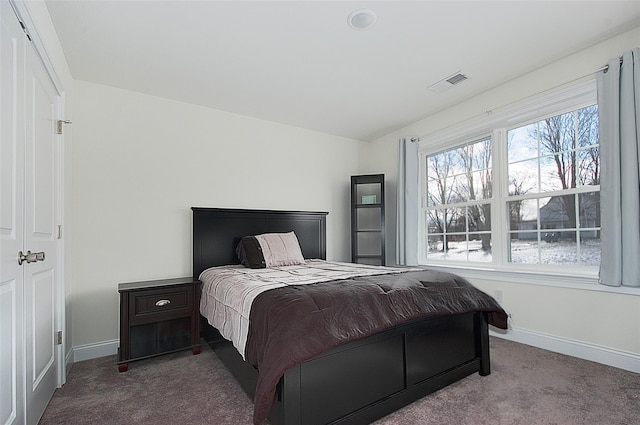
x,y
158,317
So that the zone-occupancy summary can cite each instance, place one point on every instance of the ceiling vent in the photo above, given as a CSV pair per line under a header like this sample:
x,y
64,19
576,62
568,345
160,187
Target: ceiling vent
x,y
448,82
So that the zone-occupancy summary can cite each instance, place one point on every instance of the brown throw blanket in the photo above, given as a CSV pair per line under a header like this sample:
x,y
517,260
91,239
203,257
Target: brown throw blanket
x,y
295,323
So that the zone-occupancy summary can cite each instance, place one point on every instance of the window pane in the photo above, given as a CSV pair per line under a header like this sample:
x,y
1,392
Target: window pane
x,y
558,212
557,134
435,192
458,158
479,217
482,188
554,174
588,126
479,247
456,220
452,190
480,155
562,249
523,177
522,143
435,221
589,160
435,244
435,166
456,248
524,250
589,210
590,247
524,215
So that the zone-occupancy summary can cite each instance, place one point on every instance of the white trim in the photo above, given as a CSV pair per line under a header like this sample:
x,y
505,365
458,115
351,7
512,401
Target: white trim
x,y
516,113
595,353
95,350
592,352
21,9
68,362
569,279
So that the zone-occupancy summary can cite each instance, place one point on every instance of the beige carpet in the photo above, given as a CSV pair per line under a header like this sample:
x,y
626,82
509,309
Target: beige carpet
x,y
527,386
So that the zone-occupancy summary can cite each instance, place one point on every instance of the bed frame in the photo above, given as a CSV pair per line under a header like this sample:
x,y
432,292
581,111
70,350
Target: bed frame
x,y
360,381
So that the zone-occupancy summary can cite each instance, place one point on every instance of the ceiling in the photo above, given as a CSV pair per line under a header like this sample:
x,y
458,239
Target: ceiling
x,y
299,63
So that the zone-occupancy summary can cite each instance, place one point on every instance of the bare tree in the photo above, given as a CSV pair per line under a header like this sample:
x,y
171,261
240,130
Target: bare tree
x,y
588,142
517,186
571,141
441,191
476,160
520,183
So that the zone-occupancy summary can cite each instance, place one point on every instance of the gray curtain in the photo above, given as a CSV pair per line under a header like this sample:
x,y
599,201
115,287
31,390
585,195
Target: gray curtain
x,y
619,115
407,204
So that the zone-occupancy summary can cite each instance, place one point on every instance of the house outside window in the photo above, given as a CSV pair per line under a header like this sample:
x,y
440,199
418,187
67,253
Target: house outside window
x,y
524,193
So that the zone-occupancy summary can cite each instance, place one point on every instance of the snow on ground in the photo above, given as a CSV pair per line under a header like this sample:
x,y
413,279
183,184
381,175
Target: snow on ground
x,y
524,251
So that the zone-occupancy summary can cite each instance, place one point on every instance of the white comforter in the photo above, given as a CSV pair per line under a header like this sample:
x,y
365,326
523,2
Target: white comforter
x,y
228,291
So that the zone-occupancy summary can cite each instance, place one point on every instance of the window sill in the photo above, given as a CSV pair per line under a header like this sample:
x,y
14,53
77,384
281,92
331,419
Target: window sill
x,y
585,281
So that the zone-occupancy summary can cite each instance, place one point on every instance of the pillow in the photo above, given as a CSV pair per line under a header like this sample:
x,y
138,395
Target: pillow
x,y
249,253
280,249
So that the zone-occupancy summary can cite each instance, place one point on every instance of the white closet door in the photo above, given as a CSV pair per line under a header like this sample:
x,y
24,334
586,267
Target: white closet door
x,y
40,277
29,106
12,46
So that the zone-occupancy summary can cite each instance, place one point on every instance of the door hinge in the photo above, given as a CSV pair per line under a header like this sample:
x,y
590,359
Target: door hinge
x,y
60,122
59,337
59,231
24,28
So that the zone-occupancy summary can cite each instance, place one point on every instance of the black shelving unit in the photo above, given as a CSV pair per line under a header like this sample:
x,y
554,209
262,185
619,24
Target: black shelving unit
x,y
367,219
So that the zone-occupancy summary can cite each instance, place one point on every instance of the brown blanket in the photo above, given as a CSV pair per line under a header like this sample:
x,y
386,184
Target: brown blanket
x,y
292,324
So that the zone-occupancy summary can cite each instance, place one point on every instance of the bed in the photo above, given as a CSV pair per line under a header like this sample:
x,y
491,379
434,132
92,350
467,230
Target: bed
x,y
355,382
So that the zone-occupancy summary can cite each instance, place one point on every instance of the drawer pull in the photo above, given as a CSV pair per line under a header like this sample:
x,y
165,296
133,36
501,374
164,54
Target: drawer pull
x,y
161,303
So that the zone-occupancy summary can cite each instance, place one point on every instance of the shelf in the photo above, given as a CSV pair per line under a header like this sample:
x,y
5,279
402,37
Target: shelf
x,y
367,219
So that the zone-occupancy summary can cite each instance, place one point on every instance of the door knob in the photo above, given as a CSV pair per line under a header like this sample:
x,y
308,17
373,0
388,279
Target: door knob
x,y
30,257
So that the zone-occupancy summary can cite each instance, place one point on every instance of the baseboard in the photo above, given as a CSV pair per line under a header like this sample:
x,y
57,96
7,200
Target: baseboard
x,y
93,351
68,360
582,350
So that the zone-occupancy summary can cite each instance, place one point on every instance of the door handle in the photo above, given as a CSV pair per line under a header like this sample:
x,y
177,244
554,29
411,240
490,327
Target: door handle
x,y
30,257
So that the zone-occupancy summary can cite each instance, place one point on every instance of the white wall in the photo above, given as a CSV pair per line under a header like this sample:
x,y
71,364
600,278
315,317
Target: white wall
x,y
140,163
585,320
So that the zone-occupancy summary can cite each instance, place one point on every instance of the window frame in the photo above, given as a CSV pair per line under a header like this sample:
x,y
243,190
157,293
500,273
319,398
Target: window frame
x,y
495,124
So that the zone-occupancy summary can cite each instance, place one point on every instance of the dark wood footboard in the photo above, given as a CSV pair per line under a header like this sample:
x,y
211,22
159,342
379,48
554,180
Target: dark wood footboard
x,y
364,380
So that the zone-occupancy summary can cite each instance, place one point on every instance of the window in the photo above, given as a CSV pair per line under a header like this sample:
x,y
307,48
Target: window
x,y
554,195
525,195
458,213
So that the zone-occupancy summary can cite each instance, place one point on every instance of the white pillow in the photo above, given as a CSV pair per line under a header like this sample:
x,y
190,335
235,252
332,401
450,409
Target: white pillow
x,y
280,249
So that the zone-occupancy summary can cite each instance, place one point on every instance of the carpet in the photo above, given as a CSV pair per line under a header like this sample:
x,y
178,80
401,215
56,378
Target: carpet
x,y
527,385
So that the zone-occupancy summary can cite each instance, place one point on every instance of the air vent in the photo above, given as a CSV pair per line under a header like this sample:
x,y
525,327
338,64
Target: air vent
x,y
448,82
458,78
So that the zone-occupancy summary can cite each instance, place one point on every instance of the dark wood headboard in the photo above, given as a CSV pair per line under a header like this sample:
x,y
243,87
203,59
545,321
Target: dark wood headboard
x,y
217,231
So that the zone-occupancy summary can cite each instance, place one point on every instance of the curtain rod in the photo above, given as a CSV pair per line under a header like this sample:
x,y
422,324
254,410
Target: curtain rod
x,y
604,68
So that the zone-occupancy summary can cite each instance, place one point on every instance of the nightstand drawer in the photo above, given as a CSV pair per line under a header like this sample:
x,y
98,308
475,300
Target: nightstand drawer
x,y
158,317
177,300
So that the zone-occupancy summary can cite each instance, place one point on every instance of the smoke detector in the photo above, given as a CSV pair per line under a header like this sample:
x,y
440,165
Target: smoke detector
x,y
448,82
